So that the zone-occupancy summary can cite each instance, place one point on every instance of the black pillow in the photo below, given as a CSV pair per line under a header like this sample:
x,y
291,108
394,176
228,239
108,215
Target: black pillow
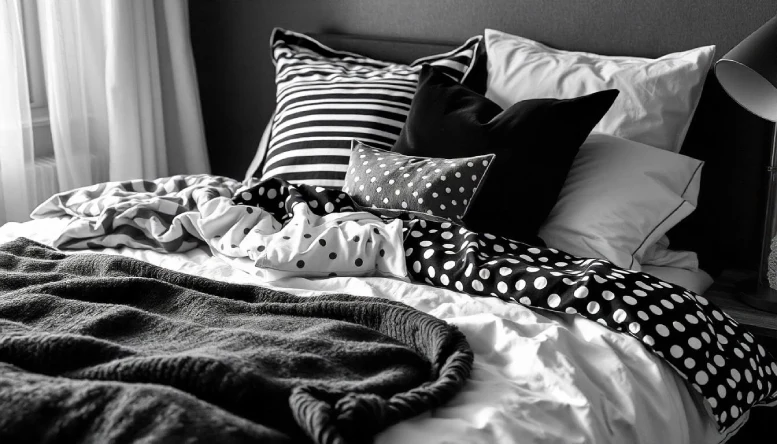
x,y
535,142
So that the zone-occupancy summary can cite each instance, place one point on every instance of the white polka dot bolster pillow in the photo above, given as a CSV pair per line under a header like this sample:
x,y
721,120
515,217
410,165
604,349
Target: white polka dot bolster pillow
x,y
327,97
440,187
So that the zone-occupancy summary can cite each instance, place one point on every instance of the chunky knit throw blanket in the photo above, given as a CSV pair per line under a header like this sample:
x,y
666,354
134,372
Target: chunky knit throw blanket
x,y
97,348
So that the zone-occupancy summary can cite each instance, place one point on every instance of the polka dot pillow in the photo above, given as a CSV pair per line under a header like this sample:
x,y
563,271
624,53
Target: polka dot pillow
x,y
439,187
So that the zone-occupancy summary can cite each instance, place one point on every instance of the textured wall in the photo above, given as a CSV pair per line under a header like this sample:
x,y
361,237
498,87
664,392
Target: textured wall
x,y
230,41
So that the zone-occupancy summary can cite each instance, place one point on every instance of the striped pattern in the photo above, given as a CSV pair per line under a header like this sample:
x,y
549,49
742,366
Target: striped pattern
x,y
326,98
143,214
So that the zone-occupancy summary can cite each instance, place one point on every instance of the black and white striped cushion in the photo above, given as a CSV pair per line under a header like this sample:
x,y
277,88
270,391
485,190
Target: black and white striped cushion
x,y
326,98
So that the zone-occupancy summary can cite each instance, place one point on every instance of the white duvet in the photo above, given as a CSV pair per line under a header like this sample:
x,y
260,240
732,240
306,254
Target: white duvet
x,y
537,378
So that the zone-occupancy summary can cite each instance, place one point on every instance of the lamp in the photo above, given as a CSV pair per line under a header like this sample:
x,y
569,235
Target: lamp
x,y
748,73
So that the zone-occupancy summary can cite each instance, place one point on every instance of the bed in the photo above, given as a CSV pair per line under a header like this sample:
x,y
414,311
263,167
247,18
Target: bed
x,y
548,366
538,376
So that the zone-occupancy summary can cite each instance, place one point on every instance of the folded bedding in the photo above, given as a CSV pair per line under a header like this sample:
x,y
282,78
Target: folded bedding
x,y
717,358
99,348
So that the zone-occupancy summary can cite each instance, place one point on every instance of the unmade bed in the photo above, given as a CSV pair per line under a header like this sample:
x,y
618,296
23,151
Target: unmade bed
x,y
537,374
489,241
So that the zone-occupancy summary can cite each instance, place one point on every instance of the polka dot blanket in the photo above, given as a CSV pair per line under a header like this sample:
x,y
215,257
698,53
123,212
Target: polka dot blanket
x,y
275,229
286,230
719,358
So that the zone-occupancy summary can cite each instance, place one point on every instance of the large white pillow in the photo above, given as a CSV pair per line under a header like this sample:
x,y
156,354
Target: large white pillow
x,y
620,198
657,96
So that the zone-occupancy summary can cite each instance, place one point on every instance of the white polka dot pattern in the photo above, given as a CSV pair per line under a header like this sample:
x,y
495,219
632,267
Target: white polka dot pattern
x,y
718,358
677,325
438,187
311,241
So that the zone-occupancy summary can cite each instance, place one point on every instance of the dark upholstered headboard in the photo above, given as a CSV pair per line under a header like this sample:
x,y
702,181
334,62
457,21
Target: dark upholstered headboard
x,y
230,40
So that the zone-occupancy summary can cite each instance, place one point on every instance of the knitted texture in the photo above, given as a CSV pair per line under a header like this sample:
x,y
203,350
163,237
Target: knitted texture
x,y
97,348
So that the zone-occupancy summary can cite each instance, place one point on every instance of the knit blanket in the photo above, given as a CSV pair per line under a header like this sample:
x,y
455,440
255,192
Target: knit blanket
x,y
98,348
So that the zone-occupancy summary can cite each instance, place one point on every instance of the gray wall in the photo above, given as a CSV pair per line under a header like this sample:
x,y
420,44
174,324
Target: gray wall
x,y
233,62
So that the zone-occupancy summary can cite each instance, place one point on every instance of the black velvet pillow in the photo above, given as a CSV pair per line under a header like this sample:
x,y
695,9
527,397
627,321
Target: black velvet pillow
x,y
535,142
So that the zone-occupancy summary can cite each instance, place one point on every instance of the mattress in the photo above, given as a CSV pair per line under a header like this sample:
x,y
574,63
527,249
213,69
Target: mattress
x,y
539,377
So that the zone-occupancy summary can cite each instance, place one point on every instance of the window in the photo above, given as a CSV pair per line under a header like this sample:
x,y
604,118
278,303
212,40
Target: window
x,y
33,55
36,80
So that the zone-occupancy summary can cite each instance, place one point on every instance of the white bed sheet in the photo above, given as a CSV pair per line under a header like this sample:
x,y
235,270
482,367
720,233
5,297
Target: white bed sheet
x,y
698,281
537,377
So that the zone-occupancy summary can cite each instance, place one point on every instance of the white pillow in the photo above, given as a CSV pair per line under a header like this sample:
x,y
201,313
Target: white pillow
x,y
660,255
657,96
620,197
697,281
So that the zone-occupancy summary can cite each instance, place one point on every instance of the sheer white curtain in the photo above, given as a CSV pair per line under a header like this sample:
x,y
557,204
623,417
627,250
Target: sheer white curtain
x,y
122,94
16,144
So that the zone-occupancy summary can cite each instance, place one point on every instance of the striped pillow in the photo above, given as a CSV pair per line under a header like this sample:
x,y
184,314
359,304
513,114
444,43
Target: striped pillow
x,y
326,98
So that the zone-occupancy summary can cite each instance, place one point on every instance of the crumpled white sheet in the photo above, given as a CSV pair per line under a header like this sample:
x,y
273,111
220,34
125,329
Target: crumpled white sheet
x,y
172,214
351,243
537,377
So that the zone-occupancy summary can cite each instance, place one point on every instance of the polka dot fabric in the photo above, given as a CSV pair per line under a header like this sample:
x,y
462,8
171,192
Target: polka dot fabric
x,y
439,187
307,231
715,355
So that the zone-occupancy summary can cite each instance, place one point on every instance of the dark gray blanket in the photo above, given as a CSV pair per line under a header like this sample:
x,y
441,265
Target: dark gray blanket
x,y
97,348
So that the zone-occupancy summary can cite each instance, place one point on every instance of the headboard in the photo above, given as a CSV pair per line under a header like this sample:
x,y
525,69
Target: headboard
x,y
230,41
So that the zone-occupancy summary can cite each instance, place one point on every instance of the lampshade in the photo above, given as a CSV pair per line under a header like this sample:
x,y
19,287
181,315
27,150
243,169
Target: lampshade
x,y
748,72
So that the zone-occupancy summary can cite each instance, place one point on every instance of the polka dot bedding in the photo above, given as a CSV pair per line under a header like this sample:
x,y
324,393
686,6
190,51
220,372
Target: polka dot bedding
x,y
302,231
717,357
720,359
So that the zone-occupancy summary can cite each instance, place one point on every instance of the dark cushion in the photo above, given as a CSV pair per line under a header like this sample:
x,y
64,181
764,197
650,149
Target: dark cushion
x,y
440,187
535,142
